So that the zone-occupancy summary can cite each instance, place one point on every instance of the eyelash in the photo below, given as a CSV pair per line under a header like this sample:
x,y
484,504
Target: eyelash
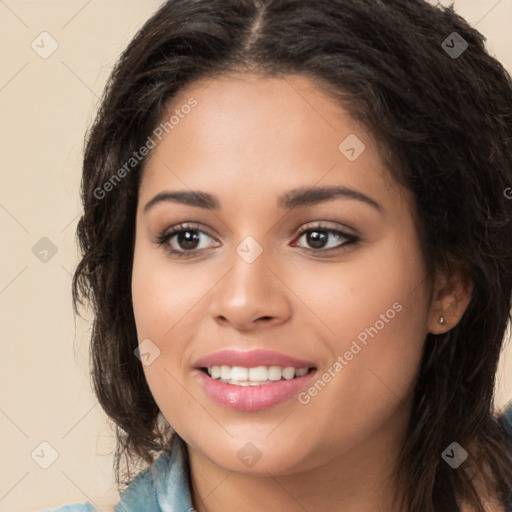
x,y
167,235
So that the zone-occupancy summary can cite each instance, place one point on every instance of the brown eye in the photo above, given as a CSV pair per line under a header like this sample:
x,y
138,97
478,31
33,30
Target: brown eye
x,y
182,239
319,237
187,239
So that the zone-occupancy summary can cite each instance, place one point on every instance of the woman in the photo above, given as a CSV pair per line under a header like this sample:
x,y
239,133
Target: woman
x,y
297,241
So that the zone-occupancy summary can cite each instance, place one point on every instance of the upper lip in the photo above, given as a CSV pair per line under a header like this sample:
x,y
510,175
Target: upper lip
x,y
250,359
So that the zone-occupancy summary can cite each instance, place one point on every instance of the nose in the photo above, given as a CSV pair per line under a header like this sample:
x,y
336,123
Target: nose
x,y
251,294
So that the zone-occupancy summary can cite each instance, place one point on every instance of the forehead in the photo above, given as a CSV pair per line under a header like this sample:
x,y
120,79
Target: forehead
x,y
262,133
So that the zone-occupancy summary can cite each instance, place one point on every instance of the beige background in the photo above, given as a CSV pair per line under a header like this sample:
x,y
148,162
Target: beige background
x,y
46,105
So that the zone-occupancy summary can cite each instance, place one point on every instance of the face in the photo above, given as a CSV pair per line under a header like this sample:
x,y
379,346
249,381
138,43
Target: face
x,y
335,283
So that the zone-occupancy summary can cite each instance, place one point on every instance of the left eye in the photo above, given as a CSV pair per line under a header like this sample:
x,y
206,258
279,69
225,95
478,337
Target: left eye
x,y
320,234
187,238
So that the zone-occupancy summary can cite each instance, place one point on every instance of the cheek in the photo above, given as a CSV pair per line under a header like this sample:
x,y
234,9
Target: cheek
x,y
163,302
372,311
162,293
389,343
366,288
167,301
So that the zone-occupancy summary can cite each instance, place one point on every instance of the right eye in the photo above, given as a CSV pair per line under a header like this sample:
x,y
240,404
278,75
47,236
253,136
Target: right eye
x,y
185,235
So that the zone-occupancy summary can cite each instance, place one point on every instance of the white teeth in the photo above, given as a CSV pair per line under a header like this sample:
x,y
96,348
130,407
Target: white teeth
x,y
239,373
225,372
258,373
301,371
254,376
274,373
289,373
214,372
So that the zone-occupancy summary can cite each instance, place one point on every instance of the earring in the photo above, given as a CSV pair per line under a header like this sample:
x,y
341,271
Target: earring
x,y
442,320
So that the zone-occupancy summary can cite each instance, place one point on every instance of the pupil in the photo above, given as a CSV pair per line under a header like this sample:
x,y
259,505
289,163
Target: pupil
x,y
188,237
316,239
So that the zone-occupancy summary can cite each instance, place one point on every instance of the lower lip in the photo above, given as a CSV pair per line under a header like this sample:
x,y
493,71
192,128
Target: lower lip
x,y
252,398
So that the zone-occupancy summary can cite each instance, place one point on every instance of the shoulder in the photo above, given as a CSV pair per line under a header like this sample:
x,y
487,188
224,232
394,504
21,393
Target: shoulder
x,y
165,481
141,494
77,507
505,417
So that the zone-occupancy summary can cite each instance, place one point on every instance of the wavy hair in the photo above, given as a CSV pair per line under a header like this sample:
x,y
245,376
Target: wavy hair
x,y
444,127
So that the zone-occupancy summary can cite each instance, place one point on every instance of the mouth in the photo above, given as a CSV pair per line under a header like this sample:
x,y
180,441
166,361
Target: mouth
x,y
250,389
255,376
253,380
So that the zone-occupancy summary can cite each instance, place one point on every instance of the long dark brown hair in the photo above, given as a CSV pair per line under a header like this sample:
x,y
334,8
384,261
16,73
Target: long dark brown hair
x,y
444,125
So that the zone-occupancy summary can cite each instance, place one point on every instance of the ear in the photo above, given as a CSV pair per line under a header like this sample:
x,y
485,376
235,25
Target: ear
x,y
450,297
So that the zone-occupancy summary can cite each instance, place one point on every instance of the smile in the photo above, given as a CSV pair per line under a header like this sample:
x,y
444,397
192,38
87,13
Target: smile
x,y
241,376
253,395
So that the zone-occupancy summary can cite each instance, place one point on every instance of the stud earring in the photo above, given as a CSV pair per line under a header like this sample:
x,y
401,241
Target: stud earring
x,y
442,320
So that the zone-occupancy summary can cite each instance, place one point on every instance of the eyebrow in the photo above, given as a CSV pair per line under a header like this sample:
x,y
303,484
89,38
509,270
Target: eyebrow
x,y
292,199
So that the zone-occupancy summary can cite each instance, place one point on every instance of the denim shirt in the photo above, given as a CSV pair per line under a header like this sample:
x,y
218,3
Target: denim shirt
x,y
164,486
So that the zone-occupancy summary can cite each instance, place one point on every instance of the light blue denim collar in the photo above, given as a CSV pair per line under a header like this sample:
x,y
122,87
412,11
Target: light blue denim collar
x,y
163,487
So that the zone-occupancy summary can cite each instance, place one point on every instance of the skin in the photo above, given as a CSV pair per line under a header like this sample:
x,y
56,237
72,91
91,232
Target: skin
x,y
249,140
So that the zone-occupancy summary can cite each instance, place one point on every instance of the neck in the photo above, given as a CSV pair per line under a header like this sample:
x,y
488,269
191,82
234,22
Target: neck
x,y
359,479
